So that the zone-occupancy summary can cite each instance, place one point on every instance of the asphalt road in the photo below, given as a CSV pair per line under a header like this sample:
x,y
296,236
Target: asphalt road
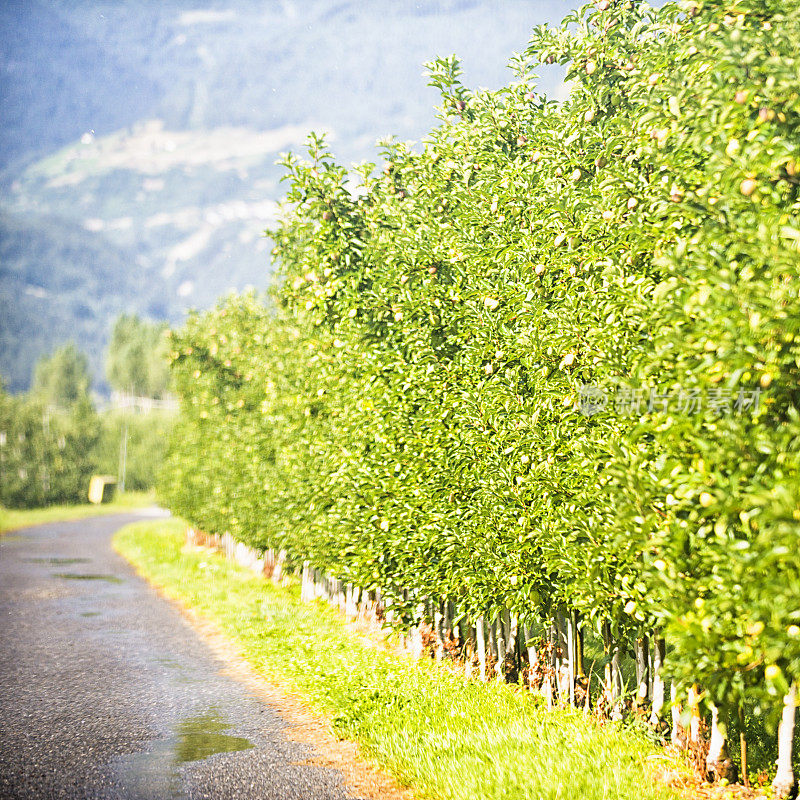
x,y
107,692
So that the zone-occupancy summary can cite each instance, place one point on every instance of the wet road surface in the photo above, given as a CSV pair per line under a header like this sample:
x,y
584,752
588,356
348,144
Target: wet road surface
x,y
107,692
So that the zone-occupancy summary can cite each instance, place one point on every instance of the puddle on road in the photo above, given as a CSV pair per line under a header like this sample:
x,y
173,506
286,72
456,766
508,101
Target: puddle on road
x,y
74,576
154,773
57,562
200,737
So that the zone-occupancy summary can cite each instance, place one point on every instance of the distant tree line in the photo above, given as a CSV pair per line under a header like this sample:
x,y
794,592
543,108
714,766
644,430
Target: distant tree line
x,y
137,357
53,439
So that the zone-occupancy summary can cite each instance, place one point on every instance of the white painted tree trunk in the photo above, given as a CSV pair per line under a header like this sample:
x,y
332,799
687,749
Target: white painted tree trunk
x,y
571,652
617,684
562,656
500,644
693,701
718,761
480,635
533,657
277,574
678,736
513,637
659,654
608,692
351,601
551,676
783,785
492,640
306,590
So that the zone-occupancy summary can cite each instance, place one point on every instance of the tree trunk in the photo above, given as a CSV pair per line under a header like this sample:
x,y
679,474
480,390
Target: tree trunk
x,y
277,573
269,561
571,652
500,644
580,669
617,684
438,631
533,658
582,680
469,652
480,636
607,699
514,644
659,654
718,761
693,701
783,785
513,631
551,675
416,633
349,609
642,670
561,652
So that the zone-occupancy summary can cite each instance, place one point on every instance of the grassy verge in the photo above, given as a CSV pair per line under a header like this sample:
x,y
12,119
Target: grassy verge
x,y
446,737
12,518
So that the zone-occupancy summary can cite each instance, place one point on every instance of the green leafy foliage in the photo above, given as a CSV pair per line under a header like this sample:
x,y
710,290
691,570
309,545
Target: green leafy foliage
x,y
52,440
62,379
410,413
46,454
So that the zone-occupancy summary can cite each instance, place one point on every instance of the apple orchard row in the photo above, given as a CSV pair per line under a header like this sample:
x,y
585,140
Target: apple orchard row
x,y
403,417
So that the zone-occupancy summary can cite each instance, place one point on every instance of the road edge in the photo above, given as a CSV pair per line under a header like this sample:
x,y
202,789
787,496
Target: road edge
x,y
304,725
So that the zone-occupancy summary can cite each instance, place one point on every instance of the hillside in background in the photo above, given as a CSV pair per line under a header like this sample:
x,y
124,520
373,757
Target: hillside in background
x,y
58,282
138,140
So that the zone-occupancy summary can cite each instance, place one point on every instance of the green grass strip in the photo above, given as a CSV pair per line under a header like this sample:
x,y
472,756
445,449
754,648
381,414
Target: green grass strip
x,y
12,518
443,735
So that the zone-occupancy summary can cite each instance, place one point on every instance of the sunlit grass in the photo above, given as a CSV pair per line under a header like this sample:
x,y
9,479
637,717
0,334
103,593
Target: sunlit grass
x,y
445,736
12,518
